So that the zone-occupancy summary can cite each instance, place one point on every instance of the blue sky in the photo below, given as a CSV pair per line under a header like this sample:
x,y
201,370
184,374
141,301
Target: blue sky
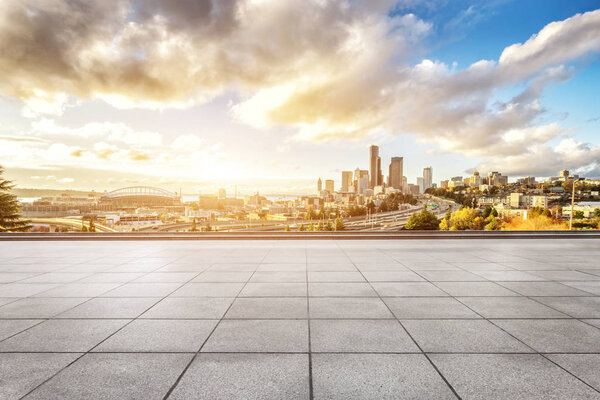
x,y
272,103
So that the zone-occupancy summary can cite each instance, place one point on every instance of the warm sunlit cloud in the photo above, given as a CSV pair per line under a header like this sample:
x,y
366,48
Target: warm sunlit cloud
x,y
325,69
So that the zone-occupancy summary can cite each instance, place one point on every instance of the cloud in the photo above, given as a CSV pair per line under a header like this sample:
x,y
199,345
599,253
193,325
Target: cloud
x,y
109,131
330,69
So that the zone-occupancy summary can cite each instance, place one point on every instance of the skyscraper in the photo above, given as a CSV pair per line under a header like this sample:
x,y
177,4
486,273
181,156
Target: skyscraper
x,y
379,173
374,161
427,178
329,185
396,173
319,185
346,180
420,184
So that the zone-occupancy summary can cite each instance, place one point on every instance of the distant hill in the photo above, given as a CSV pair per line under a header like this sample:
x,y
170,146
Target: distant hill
x,y
20,192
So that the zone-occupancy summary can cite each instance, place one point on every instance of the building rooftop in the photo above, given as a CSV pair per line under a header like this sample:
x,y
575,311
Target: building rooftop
x,y
300,319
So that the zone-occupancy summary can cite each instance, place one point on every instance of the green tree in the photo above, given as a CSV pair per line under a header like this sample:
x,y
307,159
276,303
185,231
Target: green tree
x,y
301,228
424,220
10,209
287,228
328,227
597,213
339,224
92,225
319,227
578,215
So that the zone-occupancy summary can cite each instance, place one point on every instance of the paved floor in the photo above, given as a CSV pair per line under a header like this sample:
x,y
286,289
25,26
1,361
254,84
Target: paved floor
x,y
473,319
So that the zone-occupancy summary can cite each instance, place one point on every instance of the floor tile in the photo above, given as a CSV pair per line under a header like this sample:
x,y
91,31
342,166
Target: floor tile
x,y
510,307
252,336
554,335
376,376
346,289
111,307
346,307
9,327
274,290
577,307
360,336
543,289
115,376
462,336
251,376
268,308
583,366
509,376
428,307
189,308
475,289
38,307
410,289
151,335
23,372
143,290
208,290
63,336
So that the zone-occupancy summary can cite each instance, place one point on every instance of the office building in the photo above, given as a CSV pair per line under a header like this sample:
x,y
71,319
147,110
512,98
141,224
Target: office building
x,y
374,165
329,185
396,173
222,194
319,185
420,184
427,178
346,181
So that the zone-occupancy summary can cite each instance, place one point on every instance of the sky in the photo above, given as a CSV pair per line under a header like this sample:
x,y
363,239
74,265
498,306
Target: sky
x,y
270,95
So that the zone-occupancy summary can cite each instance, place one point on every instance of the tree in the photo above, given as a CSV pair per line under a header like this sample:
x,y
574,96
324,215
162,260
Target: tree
x,y
10,209
424,220
194,228
319,227
328,226
92,226
208,228
466,218
301,228
339,224
371,207
287,228
597,213
578,215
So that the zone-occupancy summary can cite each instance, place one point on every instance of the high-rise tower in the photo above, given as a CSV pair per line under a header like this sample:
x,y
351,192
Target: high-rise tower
x,y
396,172
374,161
427,178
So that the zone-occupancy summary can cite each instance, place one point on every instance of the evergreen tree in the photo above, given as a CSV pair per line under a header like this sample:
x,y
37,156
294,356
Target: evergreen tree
x,y
10,217
339,224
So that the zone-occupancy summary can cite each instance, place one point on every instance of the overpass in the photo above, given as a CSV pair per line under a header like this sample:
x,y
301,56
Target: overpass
x,y
70,223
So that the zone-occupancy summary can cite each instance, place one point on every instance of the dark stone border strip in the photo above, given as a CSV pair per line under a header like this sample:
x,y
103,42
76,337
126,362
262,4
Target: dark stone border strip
x,y
304,235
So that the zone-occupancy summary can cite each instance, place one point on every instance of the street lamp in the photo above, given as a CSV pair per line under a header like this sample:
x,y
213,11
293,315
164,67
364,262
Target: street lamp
x,y
573,203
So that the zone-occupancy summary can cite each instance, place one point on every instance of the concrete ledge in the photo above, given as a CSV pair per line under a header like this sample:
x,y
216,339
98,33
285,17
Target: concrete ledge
x,y
304,235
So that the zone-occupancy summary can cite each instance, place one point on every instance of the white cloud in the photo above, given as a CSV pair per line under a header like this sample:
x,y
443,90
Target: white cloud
x,y
330,69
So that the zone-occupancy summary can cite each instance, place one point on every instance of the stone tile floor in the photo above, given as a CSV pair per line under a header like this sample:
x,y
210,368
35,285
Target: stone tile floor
x,y
366,319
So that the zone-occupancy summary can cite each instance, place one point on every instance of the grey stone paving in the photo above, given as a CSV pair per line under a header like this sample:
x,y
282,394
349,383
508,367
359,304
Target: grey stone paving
x,y
389,319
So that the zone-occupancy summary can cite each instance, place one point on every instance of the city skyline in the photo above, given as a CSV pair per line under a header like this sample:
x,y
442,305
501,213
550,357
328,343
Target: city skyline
x,y
442,84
